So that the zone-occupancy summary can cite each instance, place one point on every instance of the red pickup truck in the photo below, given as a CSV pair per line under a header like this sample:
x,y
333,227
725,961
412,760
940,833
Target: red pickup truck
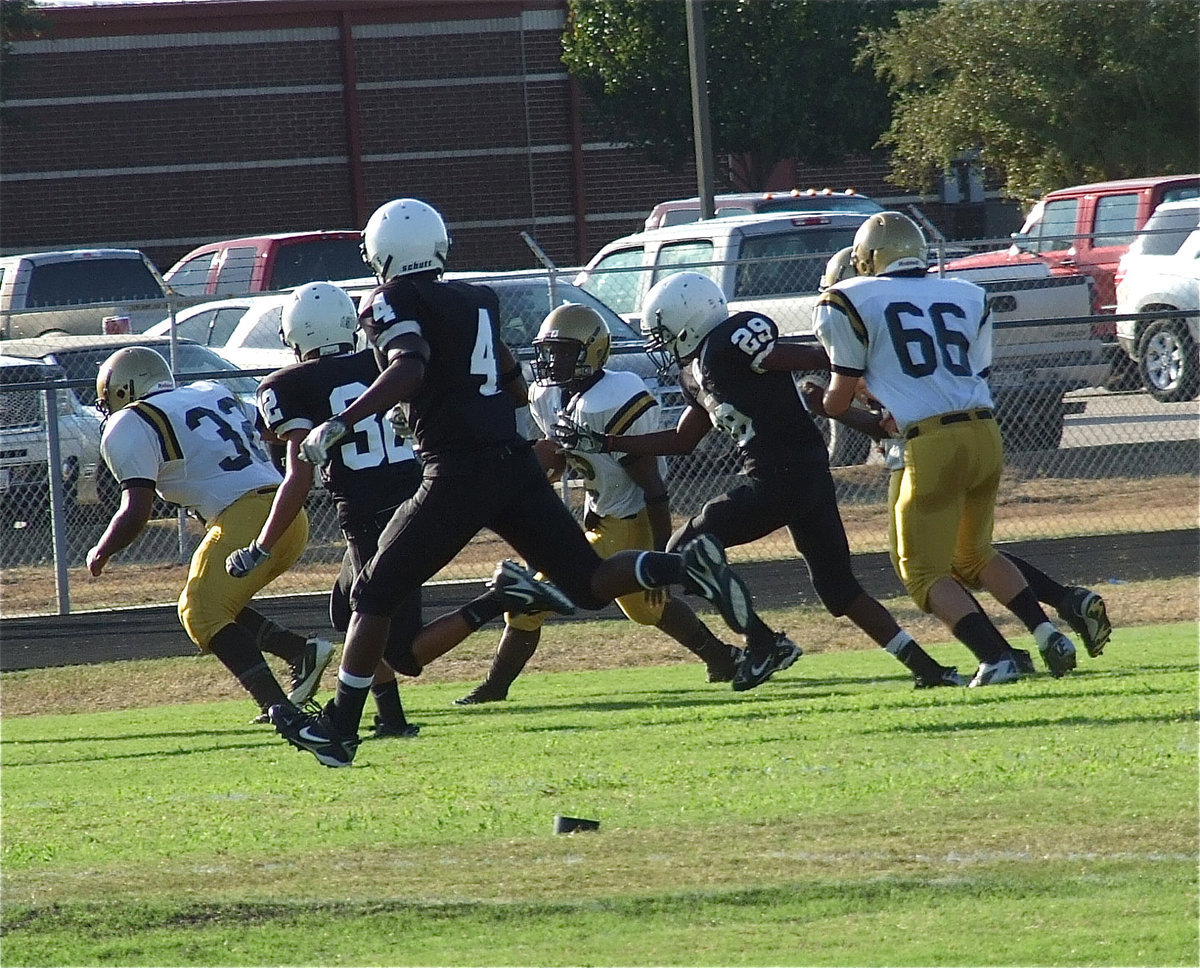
x,y
1087,229
268,263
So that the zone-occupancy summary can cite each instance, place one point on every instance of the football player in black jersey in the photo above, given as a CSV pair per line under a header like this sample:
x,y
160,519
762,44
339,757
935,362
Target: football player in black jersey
x,y
441,358
737,376
367,477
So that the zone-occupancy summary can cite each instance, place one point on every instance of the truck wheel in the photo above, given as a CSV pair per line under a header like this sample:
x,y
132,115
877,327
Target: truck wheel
x,y
1124,375
1035,424
846,447
1168,361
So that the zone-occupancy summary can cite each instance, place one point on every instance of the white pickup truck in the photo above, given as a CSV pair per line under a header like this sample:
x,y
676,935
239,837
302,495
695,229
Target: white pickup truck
x,y
772,264
24,454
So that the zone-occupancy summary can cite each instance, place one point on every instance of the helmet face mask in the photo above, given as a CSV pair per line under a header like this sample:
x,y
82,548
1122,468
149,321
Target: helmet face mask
x,y
571,345
129,375
318,319
403,237
839,268
889,242
677,313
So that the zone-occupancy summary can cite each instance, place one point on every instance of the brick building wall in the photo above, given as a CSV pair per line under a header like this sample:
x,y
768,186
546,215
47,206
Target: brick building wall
x,y
163,126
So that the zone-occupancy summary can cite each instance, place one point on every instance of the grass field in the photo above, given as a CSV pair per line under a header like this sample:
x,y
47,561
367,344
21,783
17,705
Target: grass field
x,y
832,817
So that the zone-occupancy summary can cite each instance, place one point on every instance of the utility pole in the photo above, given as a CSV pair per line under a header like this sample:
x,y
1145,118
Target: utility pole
x,y
698,63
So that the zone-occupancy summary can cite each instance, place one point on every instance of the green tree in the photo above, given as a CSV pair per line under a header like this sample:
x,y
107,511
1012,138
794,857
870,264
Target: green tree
x,y
1050,92
18,18
783,78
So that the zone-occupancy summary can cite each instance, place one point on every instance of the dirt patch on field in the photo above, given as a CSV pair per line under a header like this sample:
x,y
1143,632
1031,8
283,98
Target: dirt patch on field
x,y
1027,508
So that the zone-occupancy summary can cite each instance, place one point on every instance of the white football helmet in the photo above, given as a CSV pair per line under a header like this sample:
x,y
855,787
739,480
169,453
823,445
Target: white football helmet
x,y
840,266
128,375
677,313
889,242
405,236
318,319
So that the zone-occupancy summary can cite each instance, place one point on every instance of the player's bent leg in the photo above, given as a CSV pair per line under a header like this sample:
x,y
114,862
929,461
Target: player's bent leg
x,y
677,620
516,648
1085,612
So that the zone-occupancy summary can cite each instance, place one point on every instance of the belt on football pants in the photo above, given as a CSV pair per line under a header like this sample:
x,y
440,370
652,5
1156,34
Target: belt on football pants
x,y
941,420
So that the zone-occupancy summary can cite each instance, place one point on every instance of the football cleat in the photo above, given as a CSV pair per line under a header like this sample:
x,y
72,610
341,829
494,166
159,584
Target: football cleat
x,y
384,730
524,594
762,659
1059,655
723,667
484,692
314,734
706,573
995,673
948,676
1023,660
261,719
1087,615
307,670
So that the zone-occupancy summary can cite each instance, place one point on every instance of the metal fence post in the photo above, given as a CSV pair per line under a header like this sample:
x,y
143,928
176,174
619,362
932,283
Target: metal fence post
x,y
58,524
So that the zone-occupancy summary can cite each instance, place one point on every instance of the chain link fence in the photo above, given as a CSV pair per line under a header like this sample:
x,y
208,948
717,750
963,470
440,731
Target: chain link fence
x,y
1088,452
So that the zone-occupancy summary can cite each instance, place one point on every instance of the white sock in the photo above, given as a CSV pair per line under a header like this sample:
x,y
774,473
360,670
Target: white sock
x,y
1043,633
355,682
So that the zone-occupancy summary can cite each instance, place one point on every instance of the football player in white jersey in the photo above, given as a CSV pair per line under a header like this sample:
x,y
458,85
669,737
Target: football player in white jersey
x,y
736,377
197,446
1081,608
626,502
923,345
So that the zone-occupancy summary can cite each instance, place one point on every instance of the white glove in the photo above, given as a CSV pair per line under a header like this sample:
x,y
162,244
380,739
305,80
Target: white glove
x,y
399,422
320,440
572,435
245,560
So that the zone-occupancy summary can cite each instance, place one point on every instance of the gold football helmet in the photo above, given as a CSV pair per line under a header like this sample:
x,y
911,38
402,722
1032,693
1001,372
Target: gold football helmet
x,y
888,242
571,344
840,266
129,375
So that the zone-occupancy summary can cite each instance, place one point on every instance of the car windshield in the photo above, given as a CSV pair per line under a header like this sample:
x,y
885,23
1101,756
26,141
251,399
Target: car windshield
x,y
773,265
316,260
81,281
524,303
84,364
1164,232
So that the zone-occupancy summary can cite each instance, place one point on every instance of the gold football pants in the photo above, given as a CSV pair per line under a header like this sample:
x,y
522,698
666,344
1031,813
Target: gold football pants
x,y
211,597
942,505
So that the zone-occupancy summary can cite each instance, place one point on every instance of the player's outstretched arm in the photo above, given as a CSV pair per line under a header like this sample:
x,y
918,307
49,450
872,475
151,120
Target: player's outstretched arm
x,y
298,478
127,523
795,356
